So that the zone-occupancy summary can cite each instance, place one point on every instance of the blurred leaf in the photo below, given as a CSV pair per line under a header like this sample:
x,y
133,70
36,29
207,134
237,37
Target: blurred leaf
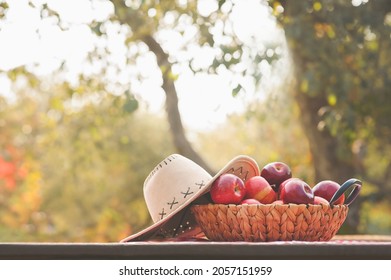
x,y
236,90
221,3
304,86
332,99
317,6
3,8
130,105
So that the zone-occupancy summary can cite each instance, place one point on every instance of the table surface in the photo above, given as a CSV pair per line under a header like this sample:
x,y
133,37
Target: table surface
x,y
340,247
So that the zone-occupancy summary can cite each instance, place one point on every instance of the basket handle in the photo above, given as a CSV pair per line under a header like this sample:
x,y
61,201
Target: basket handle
x,y
344,187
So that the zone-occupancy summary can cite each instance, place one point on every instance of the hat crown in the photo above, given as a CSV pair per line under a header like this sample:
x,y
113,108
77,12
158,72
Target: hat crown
x,y
171,183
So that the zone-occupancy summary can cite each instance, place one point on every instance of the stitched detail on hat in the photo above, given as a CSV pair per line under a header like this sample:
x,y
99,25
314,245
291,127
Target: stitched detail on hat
x,y
239,171
183,198
162,214
161,165
172,203
200,185
187,193
184,195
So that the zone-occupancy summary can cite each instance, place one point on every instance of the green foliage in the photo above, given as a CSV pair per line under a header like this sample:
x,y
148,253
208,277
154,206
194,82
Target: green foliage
x,y
375,218
341,54
3,8
89,166
210,31
344,53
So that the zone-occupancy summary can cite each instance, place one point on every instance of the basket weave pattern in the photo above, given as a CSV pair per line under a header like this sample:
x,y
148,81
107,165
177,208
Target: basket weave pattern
x,y
271,222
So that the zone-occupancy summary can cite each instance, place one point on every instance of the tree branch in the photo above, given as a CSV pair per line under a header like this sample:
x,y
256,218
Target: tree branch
x,y
174,118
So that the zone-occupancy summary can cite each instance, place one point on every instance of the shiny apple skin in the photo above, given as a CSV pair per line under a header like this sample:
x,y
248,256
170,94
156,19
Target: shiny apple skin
x,y
327,189
296,191
227,189
320,200
250,201
278,202
258,188
276,173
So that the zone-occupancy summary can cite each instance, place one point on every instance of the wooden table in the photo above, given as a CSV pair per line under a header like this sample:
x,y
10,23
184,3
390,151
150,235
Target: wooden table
x,y
341,247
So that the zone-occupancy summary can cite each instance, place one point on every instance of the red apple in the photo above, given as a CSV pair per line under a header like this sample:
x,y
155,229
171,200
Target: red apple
x,y
279,201
276,173
327,189
227,188
258,188
320,200
296,191
250,201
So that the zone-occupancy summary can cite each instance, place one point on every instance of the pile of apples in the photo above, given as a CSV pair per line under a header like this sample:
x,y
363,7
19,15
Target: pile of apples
x,y
275,185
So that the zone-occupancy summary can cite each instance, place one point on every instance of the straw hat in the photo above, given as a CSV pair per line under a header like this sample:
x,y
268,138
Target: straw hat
x,y
176,183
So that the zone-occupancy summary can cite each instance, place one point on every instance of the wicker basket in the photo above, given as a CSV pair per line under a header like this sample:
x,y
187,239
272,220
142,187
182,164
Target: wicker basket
x,y
271,222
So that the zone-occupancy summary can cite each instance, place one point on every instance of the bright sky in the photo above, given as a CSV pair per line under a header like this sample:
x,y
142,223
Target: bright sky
x,y
205,100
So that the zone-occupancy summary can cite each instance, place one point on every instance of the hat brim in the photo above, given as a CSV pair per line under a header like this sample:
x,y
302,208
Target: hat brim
x,y
233,166
151,231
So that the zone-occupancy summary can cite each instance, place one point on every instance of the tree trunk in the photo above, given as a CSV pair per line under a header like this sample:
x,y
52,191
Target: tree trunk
x,y
323,146
327,164
136,21
332,156
181,143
